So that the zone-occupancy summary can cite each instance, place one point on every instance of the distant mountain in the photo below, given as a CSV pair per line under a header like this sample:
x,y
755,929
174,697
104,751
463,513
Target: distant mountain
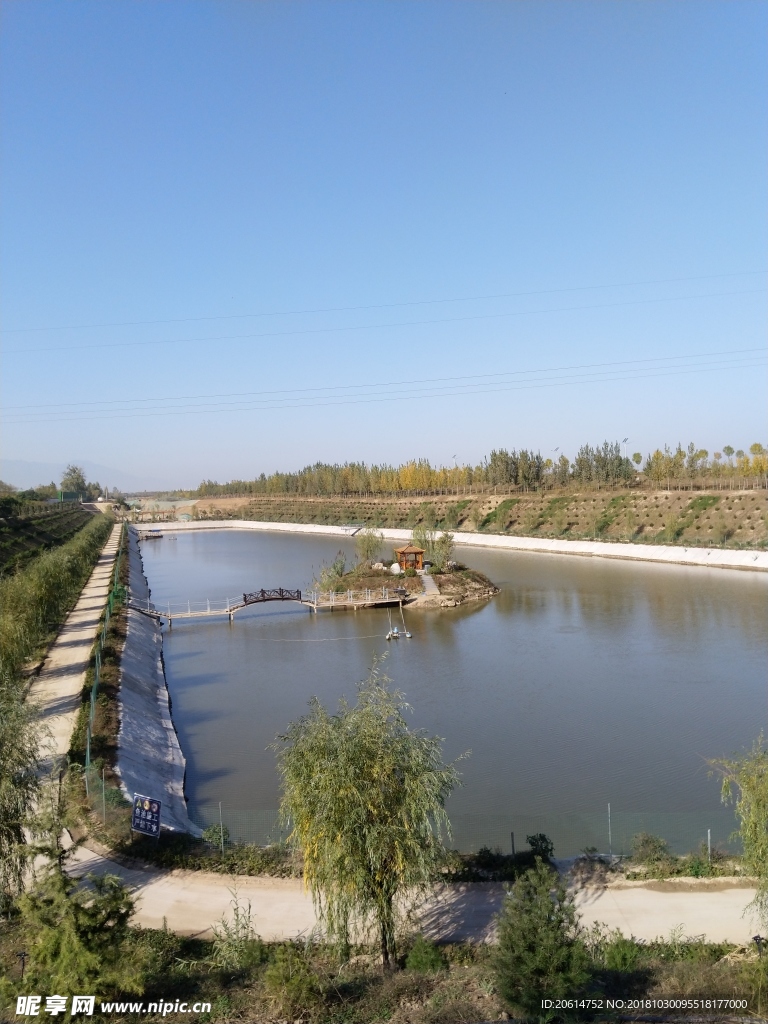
x,y
25,474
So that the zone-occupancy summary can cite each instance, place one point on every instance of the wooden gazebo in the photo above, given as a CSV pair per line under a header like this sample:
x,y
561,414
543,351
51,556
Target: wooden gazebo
x,y
410,557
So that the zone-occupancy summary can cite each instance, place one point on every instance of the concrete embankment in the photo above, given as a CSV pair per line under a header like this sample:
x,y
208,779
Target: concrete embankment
x,y
713,558
149,757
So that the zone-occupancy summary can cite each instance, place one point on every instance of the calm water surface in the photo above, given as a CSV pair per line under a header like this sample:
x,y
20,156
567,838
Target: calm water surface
x,y
584,682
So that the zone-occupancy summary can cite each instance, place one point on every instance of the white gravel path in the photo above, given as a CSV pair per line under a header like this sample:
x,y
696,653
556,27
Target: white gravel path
x,y
190,902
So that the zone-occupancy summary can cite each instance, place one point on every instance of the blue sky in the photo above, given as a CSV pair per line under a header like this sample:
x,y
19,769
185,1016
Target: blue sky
x,y
433,228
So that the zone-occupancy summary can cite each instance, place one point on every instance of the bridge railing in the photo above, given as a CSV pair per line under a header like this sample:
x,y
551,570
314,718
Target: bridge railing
x,y
276,594
370,595
316,598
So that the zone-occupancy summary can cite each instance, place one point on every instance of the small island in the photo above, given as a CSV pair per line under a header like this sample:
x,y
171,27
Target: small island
x,y
421,573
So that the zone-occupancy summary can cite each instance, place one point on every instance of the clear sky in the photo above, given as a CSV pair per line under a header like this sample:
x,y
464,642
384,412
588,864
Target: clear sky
x,y
243,236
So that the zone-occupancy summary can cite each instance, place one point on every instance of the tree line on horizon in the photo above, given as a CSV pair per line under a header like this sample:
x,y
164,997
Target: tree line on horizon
x,y
601,465
73,481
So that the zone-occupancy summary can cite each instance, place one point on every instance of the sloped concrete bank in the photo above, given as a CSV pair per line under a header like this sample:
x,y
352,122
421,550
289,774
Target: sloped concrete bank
x,y
149,758
713,558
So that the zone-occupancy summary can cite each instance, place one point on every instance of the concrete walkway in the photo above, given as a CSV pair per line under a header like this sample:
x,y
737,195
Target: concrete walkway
x,y
57,690
191,901
429,586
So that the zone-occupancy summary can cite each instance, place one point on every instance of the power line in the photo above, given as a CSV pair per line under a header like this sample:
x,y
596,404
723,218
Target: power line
x,y
731,353
376,398
371,327
382,305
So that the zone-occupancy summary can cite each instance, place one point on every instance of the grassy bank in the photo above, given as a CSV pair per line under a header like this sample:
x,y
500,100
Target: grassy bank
x,y
35,600
720,518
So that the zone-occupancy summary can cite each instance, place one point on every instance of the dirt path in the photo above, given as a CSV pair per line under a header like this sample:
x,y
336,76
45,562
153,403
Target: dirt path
x,y
190,902
57,689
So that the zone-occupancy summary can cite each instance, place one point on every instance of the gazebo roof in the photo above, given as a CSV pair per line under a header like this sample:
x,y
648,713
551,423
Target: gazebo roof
x,y
409,549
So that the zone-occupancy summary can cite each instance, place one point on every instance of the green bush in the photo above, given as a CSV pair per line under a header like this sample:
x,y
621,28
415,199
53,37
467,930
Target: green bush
x,y
410,572
77,939
649,849
290,982
541,845
157,950
216,835
540,953
235,942
424,957
621,954
331,574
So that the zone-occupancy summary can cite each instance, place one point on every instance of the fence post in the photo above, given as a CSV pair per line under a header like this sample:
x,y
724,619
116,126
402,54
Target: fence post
x,y
610,841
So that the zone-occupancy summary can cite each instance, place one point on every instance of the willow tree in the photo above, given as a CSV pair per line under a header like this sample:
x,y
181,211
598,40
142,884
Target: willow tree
x,y
368,543
745,782
365,798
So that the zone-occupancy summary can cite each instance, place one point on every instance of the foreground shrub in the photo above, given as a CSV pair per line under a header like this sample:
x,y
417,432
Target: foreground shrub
x,y
78,939
290,981
649,849
612,950
424,957
235,943
540,953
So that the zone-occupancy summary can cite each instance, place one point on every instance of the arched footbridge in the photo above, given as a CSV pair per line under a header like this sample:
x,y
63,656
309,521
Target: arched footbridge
x,y
314,600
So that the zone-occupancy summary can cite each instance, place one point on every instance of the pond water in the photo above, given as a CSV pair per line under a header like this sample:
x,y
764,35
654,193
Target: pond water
x,y
585,682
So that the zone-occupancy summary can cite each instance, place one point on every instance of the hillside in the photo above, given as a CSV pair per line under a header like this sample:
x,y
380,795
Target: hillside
x,y
720,518
24,534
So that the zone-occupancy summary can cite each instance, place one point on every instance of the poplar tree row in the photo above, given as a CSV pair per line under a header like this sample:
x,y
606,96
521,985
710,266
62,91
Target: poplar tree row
x,y
592,466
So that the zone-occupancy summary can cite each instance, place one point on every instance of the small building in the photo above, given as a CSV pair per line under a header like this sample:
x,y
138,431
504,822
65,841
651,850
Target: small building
x,y
410,557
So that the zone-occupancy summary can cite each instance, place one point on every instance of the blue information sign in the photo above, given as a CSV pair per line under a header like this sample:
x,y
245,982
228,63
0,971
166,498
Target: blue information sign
x,y
146,815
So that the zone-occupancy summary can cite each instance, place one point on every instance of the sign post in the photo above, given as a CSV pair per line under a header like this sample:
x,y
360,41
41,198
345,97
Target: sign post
x,y
145,816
